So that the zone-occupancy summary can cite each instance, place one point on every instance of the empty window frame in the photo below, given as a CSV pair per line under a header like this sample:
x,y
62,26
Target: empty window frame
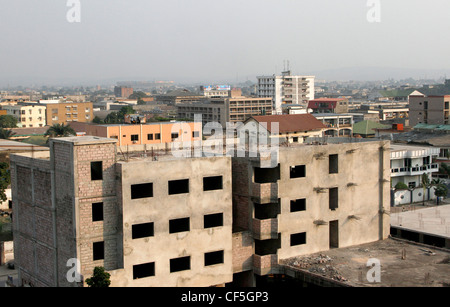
x,y
298,171
298,239
135,137
213,220
142,230
97,212
175,136
97,170
178,186
213,258
98,249
179,225
180,264
157,136
144,190
195,134
298,205
143,270
334,164
212,183
150,137
334,198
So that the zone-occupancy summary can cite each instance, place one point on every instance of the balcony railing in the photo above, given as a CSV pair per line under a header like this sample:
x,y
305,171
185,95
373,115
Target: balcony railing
x,y
416,170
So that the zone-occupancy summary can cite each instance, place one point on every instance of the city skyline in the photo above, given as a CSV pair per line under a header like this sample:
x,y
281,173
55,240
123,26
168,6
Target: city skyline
x,y
199,41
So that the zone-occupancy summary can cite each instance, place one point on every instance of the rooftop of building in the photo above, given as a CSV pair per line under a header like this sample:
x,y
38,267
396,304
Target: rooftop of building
x,y
291,122
432,221
403,264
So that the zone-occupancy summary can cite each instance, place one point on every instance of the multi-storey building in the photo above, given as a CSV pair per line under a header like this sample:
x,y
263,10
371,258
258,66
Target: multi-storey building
x,y
286,89
66,113
28,116
408,165
190,221
233,109
433,110
123,91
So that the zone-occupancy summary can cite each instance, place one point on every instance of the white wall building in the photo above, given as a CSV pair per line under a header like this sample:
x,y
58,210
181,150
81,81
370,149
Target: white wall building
x,y
408,164
286,89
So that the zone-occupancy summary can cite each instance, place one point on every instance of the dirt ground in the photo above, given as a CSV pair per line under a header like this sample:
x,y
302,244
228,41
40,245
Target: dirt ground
x,y
402,264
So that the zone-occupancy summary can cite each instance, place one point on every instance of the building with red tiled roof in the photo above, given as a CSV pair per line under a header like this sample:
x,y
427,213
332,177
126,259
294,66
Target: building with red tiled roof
x,y
295,128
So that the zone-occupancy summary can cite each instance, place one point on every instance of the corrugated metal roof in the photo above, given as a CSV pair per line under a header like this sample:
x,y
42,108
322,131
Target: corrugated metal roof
x,y
291,122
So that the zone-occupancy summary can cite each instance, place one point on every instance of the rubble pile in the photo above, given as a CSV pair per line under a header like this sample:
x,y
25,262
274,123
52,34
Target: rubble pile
x,y
318,264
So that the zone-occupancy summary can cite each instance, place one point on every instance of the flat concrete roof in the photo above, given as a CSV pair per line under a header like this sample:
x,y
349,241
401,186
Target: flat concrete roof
x,y
434,221
84,140
421,266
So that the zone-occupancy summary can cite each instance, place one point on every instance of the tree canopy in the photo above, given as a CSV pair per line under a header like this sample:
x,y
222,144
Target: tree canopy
x,y
8,121
60,130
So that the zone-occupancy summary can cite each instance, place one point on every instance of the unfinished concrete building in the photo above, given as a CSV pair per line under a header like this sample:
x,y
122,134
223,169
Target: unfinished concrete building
x,y
166,221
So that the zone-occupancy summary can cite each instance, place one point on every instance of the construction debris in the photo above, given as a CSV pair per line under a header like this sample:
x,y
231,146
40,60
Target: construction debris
x,y
321,264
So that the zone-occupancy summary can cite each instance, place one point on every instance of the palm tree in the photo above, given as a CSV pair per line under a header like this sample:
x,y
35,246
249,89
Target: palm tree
x,y
6,133
425,185
60,130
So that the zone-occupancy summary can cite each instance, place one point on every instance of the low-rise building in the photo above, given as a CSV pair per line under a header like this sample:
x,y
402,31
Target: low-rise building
x,y
294,128
28,116
337,124
329,105
66,113
408,165
156,135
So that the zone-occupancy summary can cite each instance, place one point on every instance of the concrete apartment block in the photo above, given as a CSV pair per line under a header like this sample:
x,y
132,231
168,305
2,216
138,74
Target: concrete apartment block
x,y
206,221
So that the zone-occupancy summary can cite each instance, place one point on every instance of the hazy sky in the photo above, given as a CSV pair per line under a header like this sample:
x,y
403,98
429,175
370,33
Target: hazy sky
x,y
211,40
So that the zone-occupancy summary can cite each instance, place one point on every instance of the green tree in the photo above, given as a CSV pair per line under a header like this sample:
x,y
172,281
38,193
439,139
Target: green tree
x,y
425,185
126,110
6,133
97,120
60,130
440,190
8,121
100,278
444,169
5,180
401,186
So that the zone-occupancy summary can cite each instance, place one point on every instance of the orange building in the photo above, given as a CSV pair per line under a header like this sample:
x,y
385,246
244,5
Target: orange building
x,y
144,134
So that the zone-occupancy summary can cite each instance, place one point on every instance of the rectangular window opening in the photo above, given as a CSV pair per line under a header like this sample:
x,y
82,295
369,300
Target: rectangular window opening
x,y
334,164
178,186
212,183
135,137
334,198
213,220
298,205
179,225
180,264
97,212
214,258
150,137
143,270
144,190
298,171
98,250
97,170
142,230
298,239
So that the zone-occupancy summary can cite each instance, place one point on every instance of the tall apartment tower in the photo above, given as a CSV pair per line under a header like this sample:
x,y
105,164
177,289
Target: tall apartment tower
x,y
286,89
